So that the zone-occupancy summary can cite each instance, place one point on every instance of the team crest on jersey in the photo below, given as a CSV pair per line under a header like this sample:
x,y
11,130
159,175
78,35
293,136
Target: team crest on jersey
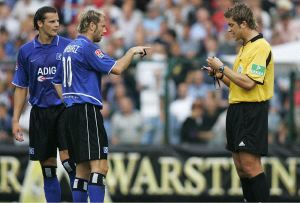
x,y
99,53
58,56
240,69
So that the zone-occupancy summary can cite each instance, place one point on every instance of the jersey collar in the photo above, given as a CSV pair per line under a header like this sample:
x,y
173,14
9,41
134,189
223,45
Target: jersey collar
x,y
84,38
259,36
37,43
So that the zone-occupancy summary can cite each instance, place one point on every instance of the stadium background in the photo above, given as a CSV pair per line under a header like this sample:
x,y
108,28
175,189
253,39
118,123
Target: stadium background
x,y
151,160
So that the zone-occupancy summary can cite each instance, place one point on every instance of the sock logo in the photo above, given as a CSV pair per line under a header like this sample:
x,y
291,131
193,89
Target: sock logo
x,y
103,181
242,144
31,150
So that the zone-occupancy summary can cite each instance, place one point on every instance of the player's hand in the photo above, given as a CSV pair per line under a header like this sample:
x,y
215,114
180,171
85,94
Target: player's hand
x,y
18,132
141,50
214,62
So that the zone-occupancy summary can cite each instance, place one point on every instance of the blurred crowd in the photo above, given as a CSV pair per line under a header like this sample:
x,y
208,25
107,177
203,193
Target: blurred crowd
x,y
182,34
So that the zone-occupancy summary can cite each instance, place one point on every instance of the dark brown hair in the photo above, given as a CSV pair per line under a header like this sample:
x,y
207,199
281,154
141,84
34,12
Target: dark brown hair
x,y
40,14
241,12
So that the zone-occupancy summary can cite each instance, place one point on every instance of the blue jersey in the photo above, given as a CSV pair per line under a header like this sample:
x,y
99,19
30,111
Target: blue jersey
x,y
36,67
83,64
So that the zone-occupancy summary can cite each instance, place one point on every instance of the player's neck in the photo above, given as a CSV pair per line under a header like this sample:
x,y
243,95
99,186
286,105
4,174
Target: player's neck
x,y
251,34
89,36
45,39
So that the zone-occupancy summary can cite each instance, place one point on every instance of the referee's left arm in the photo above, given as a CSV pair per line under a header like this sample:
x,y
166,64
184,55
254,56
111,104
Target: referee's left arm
x,y
239,79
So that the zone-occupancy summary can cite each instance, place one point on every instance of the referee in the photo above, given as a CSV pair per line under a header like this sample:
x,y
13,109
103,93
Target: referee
x,y
251,86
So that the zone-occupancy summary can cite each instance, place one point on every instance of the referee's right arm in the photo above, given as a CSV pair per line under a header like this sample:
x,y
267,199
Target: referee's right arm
x,y
239,79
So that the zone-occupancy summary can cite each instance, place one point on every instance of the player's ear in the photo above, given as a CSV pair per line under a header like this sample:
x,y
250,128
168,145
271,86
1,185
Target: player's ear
x,y
92,26
244,24
40,23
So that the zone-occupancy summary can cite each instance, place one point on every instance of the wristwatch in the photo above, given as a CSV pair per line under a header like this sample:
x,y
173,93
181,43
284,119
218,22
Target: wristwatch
x,y
221,68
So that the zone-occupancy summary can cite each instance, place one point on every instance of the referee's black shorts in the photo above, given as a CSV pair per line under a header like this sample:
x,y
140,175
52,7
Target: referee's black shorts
x,y
247,127
46,132
87,137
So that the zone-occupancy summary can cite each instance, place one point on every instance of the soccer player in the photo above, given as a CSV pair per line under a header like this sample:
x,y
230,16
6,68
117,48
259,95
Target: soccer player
x,y
36,65
83,65
251,86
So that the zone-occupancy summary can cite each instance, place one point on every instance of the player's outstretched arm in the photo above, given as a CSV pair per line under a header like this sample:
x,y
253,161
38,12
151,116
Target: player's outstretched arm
x,y
19,101
123,63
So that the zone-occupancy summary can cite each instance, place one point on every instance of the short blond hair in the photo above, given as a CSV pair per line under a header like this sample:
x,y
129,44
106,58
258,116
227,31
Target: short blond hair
x,y
88,17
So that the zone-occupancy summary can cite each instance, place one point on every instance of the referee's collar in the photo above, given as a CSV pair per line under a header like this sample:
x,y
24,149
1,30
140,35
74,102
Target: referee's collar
x,y
259,36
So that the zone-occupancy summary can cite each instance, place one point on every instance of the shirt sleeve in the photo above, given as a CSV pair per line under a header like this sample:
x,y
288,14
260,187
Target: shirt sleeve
x,y
21,75
98,60
257,67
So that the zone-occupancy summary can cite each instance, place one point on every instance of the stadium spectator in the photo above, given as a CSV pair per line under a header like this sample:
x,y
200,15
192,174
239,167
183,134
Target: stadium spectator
x,y
297,107
8,21
152,22
149,78
128,23
7,44
122,133
198,88
106,113
5,125
212,110
192,127
188,46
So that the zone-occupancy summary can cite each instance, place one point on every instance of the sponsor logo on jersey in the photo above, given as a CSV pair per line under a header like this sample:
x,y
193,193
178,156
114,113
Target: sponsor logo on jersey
x,y
258,70
41,78
46,73
99,53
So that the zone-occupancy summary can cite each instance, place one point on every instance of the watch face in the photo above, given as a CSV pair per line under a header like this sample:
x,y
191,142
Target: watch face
x,y
221,69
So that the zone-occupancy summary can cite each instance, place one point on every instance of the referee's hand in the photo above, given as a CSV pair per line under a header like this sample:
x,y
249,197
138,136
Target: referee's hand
x,y
210,71
214,62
